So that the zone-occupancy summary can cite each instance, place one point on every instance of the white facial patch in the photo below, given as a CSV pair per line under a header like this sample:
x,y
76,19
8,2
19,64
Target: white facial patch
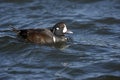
x,y
64,29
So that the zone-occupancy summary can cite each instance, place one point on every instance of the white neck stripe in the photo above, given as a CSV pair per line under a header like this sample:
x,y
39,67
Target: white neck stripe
x,y
54,39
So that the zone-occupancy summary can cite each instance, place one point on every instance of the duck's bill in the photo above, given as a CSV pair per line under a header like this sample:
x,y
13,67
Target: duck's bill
x,y
70,32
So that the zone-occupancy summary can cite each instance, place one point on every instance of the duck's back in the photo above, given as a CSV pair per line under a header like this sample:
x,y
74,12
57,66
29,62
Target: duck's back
x,y
41,36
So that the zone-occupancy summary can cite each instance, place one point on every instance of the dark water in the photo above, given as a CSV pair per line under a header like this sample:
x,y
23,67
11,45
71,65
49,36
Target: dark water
x,y
94,53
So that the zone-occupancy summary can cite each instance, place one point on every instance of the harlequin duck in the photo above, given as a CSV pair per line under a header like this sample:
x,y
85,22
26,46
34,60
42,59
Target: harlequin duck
x,y
45,36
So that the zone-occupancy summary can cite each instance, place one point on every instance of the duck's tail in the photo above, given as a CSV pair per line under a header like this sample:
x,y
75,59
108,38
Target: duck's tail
x,y
14,29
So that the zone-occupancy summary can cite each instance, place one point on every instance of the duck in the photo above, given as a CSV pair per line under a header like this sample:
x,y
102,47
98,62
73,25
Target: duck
x,y
50,35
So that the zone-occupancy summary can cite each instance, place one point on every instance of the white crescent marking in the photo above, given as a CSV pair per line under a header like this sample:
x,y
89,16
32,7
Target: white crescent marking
x,y
64,29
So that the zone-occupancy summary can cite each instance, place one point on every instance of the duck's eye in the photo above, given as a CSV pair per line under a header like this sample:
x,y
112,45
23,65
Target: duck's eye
x,y
57,28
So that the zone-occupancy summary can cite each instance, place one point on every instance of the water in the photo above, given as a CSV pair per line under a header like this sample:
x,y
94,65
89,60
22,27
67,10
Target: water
x,y
94,53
